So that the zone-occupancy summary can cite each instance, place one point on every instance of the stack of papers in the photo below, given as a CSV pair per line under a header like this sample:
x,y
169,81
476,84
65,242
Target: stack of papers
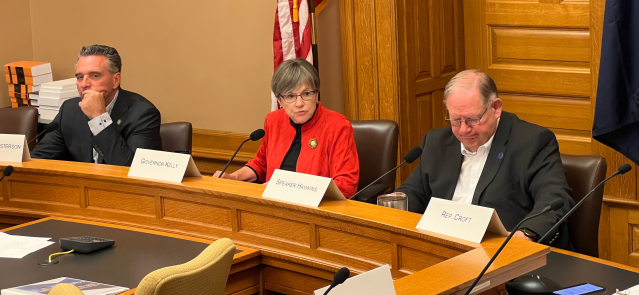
x,y
19,246
24,79
87,287
52,95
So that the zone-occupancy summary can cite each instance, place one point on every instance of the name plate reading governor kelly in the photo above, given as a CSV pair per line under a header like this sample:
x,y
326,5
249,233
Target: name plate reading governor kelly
x,y
463,221
14,148
165,166
300,188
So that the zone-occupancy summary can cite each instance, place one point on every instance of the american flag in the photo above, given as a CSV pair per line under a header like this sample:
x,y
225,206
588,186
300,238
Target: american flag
x,y
292,33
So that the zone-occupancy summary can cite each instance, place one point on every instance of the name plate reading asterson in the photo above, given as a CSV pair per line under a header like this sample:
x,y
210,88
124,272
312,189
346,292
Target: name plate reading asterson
x,y
14,148
299,188
165,166
463,221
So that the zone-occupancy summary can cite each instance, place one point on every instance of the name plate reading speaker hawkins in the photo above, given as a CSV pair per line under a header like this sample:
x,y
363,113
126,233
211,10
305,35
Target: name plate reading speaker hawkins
x,y
14,148
165,166
463,221
302,189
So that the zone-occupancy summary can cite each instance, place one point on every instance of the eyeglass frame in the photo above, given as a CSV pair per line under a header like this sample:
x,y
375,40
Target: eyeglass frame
x,y
450,121
315,92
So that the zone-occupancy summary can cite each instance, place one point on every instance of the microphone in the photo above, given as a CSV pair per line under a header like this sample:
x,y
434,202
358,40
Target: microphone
x,y
410,157
6,172
554,205
340,276
53,126
255,136
623,169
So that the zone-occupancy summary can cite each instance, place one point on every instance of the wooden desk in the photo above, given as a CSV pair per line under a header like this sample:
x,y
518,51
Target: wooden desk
x,y
301,247
133,248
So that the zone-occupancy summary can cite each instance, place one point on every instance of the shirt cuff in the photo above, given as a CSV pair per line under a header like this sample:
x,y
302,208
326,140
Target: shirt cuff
x,y
100,123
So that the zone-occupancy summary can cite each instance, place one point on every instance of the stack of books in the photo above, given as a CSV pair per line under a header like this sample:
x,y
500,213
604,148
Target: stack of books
x,y
24,79
52,95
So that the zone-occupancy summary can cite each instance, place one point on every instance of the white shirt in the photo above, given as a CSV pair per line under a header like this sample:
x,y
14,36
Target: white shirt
x,y
101,122
471,169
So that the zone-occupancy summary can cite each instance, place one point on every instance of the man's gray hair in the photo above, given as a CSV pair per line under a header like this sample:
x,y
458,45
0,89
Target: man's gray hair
x,y
114,63
470,80
292,74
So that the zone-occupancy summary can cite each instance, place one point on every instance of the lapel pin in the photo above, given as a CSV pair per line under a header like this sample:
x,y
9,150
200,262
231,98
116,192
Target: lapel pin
x,y
501,155
120,122
313,143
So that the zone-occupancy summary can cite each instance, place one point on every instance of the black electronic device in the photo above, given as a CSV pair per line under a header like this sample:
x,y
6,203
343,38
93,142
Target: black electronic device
x,y
85,244
580,289
532,285
6,172
340,276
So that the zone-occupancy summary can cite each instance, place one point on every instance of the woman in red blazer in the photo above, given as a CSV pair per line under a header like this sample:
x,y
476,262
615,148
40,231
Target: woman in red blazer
x,y
303,136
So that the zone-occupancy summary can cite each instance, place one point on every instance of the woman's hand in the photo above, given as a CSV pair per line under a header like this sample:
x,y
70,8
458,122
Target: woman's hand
x,y
225,175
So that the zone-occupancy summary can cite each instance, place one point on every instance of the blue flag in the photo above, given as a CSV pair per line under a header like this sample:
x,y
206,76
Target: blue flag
x,y
616,122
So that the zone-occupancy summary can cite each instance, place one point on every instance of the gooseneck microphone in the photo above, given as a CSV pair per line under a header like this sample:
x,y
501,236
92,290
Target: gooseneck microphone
x,y
410,157
340,276
53,126
6,172
255,136
623,169
554,205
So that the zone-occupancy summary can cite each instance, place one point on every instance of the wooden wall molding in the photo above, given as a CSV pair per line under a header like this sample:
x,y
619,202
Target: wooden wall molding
x,y
212,149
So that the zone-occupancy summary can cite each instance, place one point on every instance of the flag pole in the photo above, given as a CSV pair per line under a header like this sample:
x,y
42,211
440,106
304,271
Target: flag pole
x,y
311,12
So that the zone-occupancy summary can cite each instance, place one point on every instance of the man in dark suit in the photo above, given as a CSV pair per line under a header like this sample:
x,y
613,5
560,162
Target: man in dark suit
x,y
491,158
106,124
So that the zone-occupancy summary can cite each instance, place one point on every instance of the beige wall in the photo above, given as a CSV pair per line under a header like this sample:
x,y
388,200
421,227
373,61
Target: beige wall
x,y
16,39
207,62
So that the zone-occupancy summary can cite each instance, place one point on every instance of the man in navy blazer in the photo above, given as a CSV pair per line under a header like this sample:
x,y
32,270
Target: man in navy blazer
x,y
106,124
491,158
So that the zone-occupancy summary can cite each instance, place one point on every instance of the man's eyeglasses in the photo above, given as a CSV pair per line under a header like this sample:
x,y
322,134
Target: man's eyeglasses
x,y
306,95
468,121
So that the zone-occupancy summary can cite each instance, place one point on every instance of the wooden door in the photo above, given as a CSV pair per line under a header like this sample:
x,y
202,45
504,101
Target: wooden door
x,y
431,44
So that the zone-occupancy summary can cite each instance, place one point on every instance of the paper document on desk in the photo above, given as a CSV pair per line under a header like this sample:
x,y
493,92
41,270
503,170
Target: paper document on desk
x,y
631,291
19,246
87,287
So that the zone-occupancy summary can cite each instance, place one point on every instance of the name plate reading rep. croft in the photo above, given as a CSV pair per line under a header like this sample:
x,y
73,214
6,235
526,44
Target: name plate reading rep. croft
x,y
300,188
14,148
165,166
459,220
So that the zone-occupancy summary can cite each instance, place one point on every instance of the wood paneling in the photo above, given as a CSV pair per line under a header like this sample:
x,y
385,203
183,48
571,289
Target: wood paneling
x,y
207,215
275,228
143,205
43,193
302,244
212,149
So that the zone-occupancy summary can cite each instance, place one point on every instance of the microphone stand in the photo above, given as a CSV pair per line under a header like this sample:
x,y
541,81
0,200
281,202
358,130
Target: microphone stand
x,y
576,206
547,209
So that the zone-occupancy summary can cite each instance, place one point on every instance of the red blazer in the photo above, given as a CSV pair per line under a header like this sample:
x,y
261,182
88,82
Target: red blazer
x,y
335,155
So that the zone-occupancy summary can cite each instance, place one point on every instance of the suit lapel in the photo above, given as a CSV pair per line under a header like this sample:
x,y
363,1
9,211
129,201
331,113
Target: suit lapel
x,y
495,156
451,170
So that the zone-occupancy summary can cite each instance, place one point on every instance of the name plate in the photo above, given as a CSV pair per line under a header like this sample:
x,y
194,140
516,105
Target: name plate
x,y
300,188
14,148
463,221
165,166
374,282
